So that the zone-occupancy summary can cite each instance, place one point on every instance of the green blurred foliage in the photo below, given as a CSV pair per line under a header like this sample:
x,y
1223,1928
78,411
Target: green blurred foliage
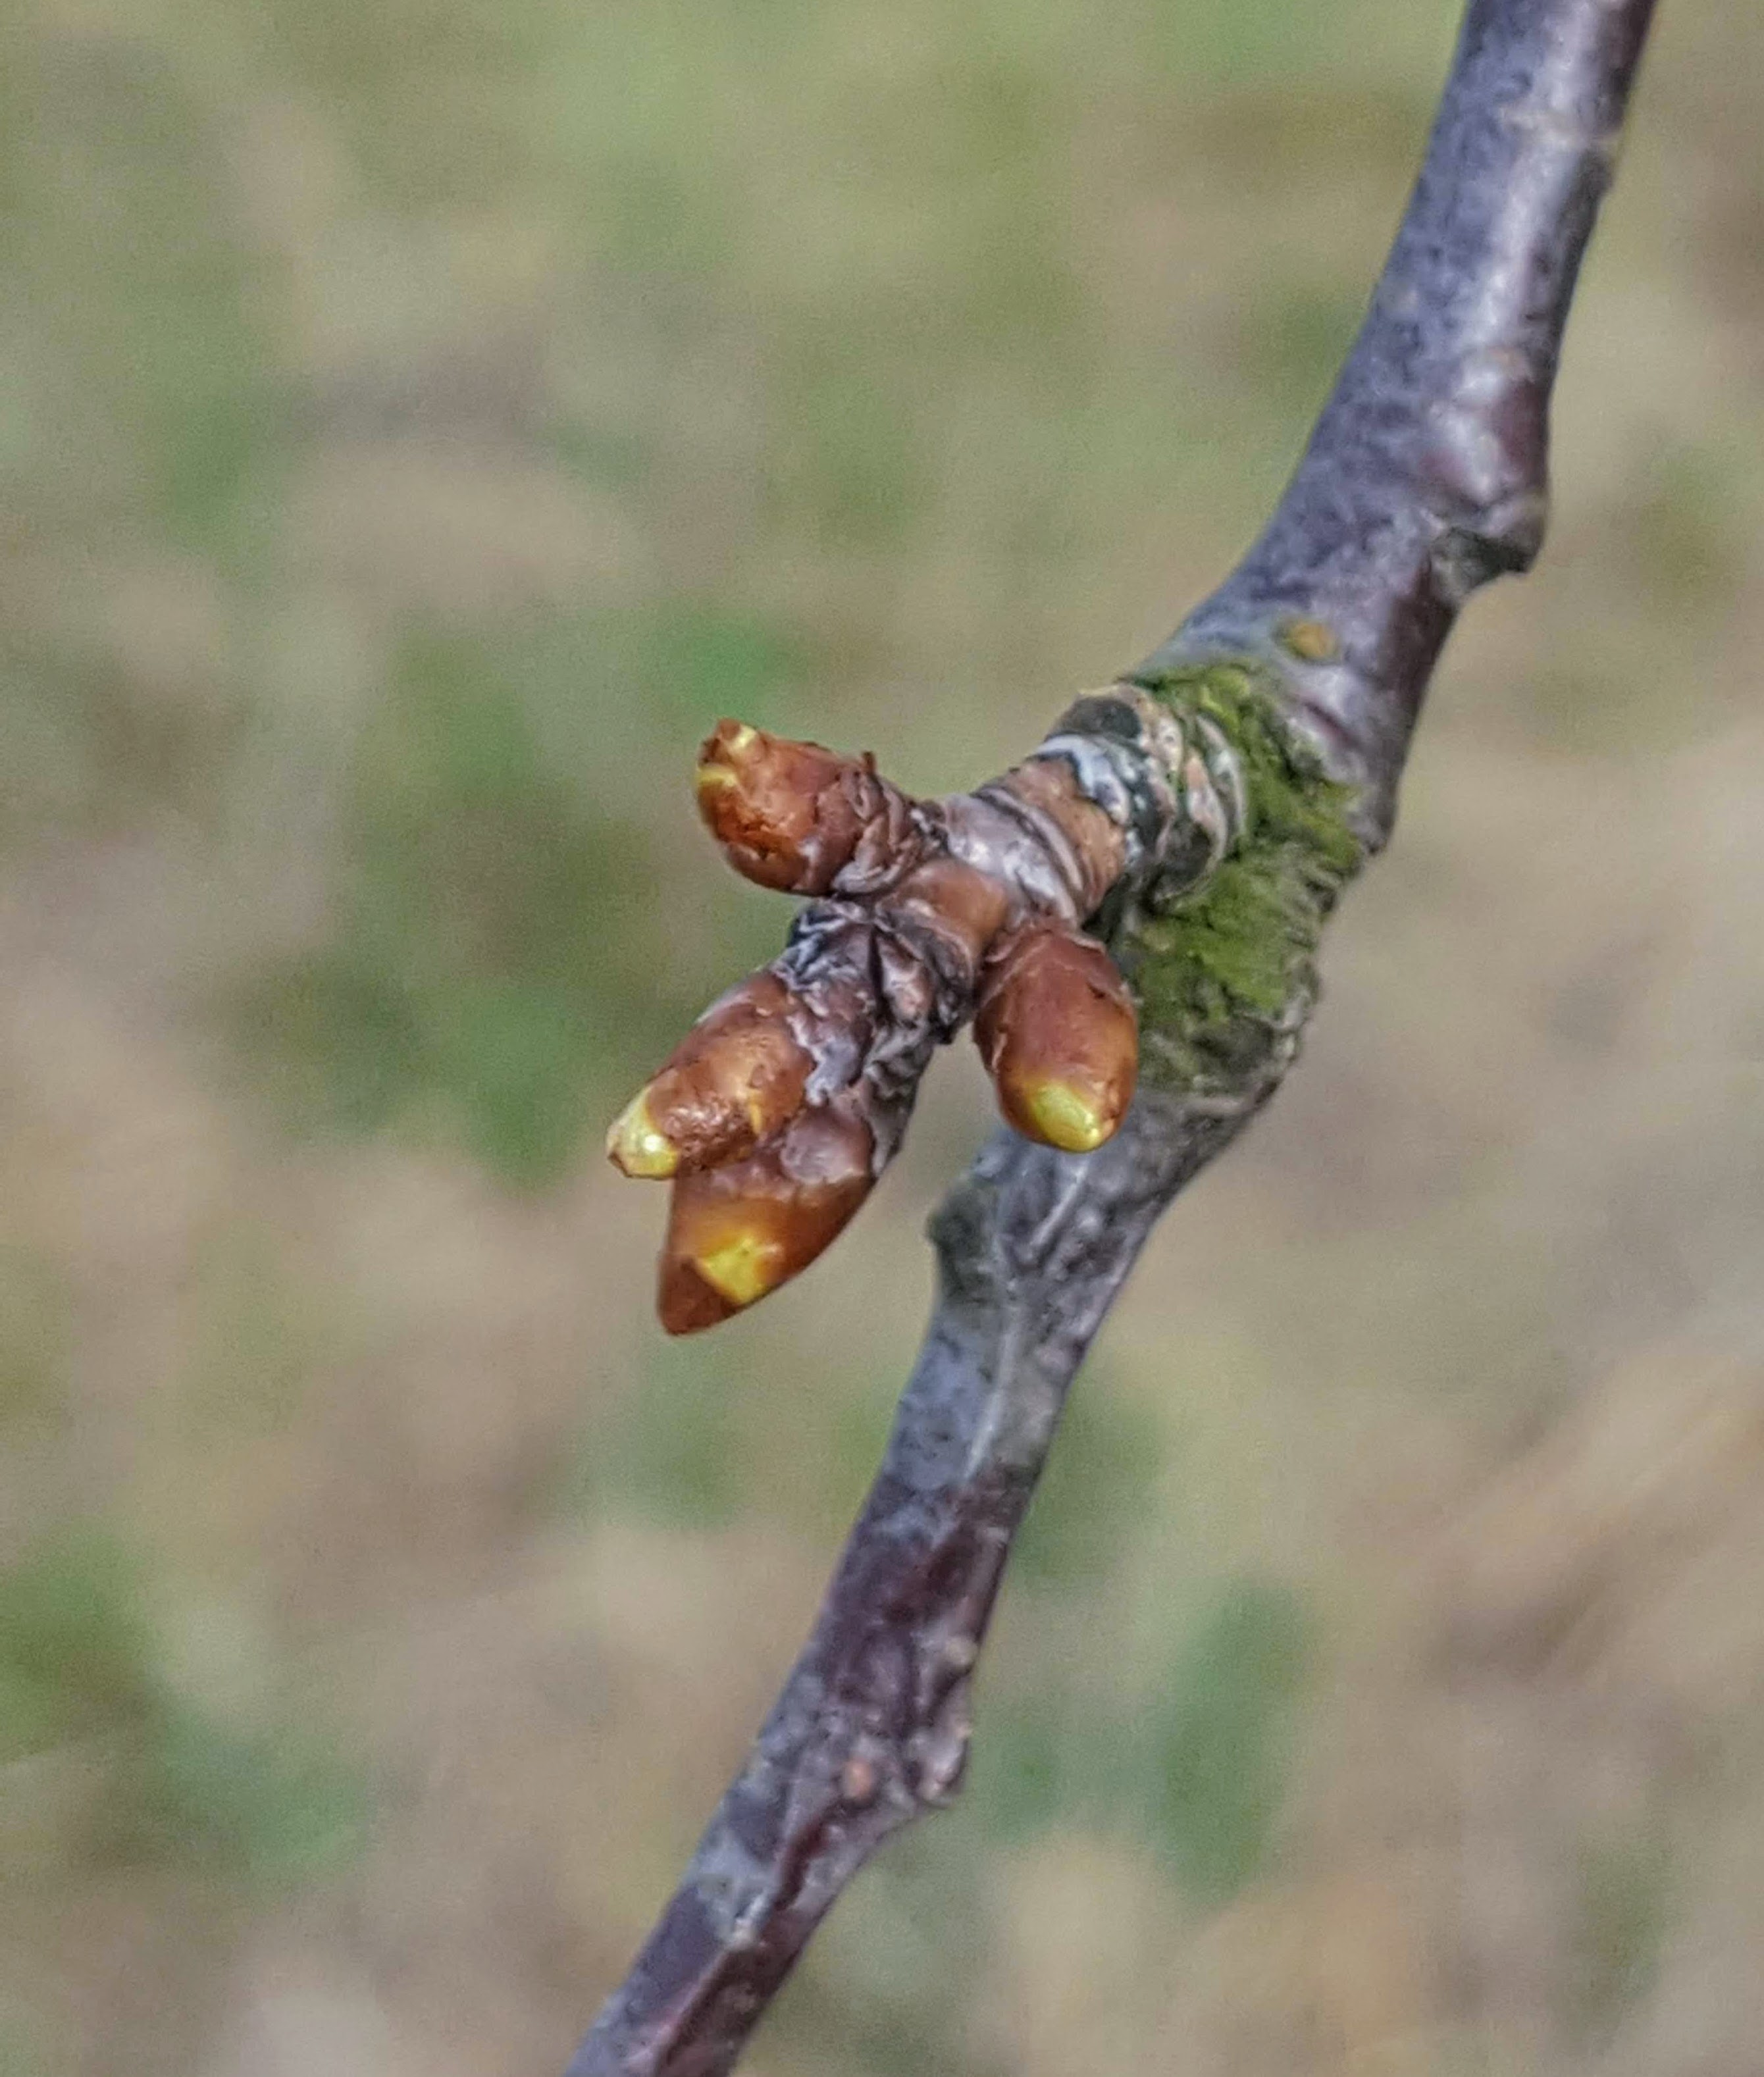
x,y
492,963
476,962
1220,1737
1103,1474
1019,1777
887,1988
669,1453
74,1655
1195,1770
33,1335
79,1672
257,1339
1625,1913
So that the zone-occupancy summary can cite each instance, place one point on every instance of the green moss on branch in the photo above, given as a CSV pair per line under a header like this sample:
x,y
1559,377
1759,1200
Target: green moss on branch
x,y
1225,974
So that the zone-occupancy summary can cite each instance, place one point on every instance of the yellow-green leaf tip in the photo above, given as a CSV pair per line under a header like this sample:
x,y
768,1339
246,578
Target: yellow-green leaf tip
x,y
638,1147
744,1268
1064,1117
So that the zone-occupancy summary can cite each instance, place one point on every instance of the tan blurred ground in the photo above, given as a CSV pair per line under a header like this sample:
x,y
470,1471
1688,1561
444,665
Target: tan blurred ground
x,y
417,418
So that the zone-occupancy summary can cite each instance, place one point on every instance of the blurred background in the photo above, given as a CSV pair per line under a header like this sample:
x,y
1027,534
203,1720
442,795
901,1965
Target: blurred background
x,y
419,420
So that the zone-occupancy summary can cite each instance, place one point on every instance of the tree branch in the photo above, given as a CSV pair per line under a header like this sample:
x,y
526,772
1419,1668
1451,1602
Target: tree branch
x,y
1425,476
1429,471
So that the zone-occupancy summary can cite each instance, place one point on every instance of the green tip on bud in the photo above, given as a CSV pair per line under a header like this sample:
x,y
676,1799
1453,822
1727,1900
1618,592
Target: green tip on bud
x,y
1058,1032
637,1146
1062,1115
789,815
744,1268
737,1233
723,753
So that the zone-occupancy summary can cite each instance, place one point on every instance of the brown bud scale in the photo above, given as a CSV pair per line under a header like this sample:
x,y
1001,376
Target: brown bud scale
x,y
1057,1029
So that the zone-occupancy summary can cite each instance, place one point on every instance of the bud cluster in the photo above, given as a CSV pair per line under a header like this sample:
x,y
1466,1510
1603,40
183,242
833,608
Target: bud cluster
x,y
774,1116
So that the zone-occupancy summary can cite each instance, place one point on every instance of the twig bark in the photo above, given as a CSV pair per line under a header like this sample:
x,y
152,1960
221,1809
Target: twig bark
x,y
1426,475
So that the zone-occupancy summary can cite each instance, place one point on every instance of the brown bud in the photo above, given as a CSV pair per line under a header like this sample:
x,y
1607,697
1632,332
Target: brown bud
x,y
738,1232
788,814
1057,1029
735,1080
